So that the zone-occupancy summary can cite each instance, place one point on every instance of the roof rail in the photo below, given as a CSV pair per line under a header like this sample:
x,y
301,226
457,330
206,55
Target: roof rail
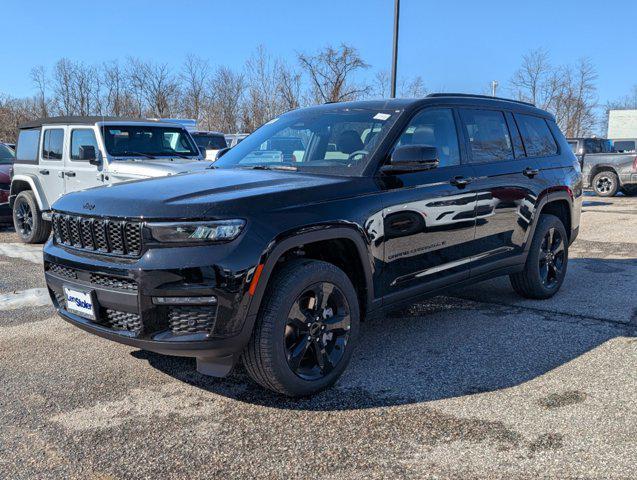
x,y
472,95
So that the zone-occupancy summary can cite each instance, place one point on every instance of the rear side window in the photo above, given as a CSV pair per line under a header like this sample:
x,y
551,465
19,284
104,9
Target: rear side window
x,y
488,135
210,142
28,143
624,146
537,137
52,144
593,146
80,139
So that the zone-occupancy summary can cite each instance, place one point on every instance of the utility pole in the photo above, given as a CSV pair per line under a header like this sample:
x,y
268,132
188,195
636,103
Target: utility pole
x,y
394,63
494,86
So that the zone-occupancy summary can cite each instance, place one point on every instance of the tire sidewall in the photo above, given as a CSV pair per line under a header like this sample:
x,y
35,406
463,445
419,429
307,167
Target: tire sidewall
x,y
613,179
27,197
546,222
303,278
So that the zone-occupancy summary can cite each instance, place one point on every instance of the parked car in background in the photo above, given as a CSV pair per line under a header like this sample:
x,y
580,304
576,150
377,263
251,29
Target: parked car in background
x,y
10,145
610,172
209,143
275,258
7,156
233,139
59,155
585,145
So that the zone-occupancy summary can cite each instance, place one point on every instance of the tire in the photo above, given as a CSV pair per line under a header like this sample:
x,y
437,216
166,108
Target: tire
x,y
539,280
27,219
280,353
606,184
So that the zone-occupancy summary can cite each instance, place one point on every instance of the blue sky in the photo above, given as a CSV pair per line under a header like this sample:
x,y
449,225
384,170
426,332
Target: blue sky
x,y
455,45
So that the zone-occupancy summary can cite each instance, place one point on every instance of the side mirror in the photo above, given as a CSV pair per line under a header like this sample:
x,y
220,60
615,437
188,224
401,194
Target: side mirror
x,y
412,158
88,153
222,152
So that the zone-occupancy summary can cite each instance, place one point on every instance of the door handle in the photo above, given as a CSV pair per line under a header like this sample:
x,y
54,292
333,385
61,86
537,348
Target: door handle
x,y
44,172
460,182
70,174
530,172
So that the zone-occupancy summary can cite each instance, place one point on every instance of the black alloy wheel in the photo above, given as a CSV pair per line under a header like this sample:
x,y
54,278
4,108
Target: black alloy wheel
x,y
551,259
317,331
24,219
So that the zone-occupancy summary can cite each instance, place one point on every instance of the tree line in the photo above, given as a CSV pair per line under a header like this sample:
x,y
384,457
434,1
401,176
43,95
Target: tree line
x,y
234,100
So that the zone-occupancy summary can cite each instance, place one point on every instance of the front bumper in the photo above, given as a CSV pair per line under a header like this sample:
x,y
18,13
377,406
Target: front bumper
x,y
123,291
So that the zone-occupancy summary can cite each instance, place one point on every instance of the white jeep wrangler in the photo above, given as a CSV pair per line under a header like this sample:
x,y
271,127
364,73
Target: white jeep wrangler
x,y
58,155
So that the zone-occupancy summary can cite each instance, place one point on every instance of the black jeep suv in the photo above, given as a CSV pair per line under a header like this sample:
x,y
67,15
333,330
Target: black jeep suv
x,y
275,256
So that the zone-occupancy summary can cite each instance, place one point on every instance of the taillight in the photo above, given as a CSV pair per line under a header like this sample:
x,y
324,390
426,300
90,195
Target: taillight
x,y
635,164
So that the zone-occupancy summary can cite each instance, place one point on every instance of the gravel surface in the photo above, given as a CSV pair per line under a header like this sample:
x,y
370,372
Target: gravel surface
x,y
476,384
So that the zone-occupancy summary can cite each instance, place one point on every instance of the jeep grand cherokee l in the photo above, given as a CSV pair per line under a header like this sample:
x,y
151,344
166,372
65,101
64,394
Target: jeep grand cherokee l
x,y
274,258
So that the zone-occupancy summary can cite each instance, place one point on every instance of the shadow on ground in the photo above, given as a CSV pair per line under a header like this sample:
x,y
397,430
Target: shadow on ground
x,y
437,348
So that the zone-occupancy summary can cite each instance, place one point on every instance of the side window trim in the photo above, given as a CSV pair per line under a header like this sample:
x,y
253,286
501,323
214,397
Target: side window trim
x,y
43,137
70,143
516,136
457,126
466,134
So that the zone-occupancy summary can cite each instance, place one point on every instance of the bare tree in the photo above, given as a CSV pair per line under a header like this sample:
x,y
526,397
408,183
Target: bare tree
x,y
289,88
63,84
118,98
194,77
223,108
154,87
413,88
40,80
331,73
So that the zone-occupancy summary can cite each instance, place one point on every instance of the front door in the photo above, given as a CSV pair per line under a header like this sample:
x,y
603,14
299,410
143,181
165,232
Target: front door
x,y
51,164
428,216
80,174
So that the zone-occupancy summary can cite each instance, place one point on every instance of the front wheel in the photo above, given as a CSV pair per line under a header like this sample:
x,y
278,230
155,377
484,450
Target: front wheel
x,y
546,263
305,331
27,219
606,184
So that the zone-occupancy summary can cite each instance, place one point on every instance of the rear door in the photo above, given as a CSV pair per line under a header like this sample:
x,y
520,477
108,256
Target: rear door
x,y
51,162
428,216
79,173
507,185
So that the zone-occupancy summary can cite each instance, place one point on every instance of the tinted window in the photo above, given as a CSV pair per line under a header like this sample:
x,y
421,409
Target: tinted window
x,y
52,144
538,140
592,146
518,147
147,141
82,138
624,146
434,127
488,135
28,143
210,142
6,154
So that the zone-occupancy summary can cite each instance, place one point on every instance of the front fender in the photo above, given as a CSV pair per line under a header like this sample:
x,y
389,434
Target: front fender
x,y
35,187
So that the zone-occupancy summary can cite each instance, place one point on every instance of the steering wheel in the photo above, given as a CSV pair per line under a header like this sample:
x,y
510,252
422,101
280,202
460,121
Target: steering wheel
x,y
353,155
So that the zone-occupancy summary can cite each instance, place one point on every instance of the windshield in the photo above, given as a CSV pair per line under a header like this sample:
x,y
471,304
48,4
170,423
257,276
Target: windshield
x,y
209,142
335,141
148,141
6,154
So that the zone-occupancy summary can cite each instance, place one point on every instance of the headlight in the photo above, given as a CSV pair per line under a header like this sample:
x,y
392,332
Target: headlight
x,y
197,232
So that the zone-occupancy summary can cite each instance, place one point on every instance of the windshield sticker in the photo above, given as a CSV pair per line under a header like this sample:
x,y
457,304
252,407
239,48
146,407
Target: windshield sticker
x,y
382,116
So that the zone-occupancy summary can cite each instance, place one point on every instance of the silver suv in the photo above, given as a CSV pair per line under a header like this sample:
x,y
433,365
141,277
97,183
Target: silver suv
x,y
59,155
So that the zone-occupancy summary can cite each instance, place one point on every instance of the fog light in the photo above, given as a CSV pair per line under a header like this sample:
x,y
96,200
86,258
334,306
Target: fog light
x,y
185,300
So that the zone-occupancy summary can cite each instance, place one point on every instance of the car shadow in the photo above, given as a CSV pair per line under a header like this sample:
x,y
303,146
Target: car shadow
x,y
437,348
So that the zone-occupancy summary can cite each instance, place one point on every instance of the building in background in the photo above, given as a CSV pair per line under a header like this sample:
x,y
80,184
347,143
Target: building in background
x,y
622,124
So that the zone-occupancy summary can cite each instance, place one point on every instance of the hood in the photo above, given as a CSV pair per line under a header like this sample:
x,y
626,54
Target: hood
x,y
147,168
207,194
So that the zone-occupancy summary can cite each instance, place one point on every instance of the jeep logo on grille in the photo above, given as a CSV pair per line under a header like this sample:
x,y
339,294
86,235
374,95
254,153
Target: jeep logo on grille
x,y
89,206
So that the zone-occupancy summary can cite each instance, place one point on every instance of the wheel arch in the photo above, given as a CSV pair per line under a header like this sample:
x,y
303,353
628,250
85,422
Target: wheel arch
x,y
602,168
21,183
305,245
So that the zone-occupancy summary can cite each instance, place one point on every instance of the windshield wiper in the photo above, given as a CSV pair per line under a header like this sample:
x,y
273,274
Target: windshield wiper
x,y
139,154
271,167
180,155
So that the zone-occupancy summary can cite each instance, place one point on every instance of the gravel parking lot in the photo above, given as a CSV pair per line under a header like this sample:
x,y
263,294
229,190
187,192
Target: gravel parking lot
x,y
479,383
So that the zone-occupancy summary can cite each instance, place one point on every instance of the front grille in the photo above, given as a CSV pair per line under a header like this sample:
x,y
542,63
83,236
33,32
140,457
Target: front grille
x,y
97,234
116,320
61,271
113,282
183,320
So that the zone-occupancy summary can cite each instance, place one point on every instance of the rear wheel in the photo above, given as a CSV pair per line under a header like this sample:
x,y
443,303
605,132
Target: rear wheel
x,y
305,330
546,263
27,219
606,183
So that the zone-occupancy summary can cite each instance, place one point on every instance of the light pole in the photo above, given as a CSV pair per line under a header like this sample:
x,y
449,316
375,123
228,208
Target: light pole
x,y
494,86
395,52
